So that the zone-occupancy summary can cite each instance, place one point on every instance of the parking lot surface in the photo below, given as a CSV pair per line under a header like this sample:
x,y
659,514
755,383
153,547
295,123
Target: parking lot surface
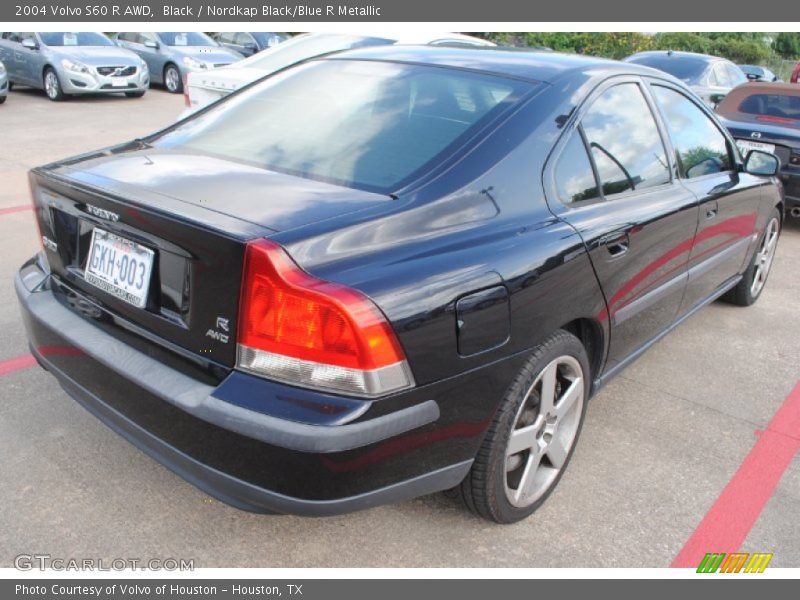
x,y
659,446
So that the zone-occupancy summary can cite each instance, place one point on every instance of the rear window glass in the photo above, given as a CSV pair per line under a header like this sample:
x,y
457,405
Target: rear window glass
x,y
687,69
771,105
363,124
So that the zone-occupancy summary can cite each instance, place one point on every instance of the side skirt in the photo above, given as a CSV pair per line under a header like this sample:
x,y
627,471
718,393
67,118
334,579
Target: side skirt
x,y
603,379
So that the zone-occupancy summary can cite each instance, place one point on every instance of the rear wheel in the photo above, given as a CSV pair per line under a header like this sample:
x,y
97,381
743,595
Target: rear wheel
x,y
172,79
52,86
752,284
533,434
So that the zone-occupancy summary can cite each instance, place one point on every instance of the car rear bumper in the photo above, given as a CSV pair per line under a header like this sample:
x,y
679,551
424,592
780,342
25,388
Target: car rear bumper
x,y
390,450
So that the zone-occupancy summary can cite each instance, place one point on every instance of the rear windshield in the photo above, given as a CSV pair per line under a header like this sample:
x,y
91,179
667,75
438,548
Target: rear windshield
x,y
363,124
191,38
687,69
68,38
771,105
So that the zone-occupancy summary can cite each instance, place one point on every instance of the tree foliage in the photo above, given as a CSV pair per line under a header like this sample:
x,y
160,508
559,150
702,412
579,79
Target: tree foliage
x,y
740,47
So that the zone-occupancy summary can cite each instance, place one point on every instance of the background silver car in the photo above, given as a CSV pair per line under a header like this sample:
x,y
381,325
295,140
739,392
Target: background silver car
x,y
3,83
171,56
710,77
65,62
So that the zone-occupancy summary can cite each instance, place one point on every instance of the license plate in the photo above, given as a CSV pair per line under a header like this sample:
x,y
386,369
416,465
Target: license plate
x,y
746,145
119,82
119,266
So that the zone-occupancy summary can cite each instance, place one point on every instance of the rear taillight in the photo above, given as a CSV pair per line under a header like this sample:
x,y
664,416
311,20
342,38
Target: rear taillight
x,y
305,331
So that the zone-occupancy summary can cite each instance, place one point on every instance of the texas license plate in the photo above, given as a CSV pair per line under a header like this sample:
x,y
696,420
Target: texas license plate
x,y
116,82
746,145
119,266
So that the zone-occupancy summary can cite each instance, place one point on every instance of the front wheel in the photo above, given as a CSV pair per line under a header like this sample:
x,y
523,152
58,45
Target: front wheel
x,y
52,85
172,79
2,99
754,278
531,439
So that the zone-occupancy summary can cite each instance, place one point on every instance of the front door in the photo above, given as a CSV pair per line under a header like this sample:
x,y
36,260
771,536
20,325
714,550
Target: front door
x,y
729,200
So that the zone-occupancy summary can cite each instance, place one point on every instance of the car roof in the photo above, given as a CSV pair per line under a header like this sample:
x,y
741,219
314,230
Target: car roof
x,y
532,65
677,54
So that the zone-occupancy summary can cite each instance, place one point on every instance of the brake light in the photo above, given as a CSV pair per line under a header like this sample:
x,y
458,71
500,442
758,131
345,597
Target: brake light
x,y
772,119
302,330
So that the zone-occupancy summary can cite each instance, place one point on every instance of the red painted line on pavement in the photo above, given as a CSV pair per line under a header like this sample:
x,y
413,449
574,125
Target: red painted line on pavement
x,y
727,524
16,364
15,209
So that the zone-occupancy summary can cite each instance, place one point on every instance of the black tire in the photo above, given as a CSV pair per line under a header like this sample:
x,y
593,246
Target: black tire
x,y
134,94
172,79
52,85
2,99
744,293
484,490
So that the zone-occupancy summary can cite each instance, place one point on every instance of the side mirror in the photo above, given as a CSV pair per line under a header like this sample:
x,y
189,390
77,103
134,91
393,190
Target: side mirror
x,y
752,76
717,98
30,44
152,44
251,46
761,163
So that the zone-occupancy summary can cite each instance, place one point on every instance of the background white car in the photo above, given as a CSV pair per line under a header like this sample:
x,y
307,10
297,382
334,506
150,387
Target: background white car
x,y
203,88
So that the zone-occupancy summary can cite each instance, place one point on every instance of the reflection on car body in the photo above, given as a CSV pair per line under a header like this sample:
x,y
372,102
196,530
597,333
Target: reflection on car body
x,y
394,271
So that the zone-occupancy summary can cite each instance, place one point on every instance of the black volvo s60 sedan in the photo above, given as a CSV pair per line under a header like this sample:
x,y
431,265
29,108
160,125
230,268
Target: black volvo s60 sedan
x,y
391,271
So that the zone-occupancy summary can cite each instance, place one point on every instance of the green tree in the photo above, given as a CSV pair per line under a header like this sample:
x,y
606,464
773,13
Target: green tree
x,y
787,45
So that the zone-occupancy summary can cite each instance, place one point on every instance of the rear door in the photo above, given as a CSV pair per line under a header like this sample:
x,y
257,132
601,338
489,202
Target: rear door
x,y
728,199
612,180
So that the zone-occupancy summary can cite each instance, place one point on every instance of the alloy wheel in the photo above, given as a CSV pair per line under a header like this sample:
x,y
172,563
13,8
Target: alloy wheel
x,y
51,85
764,257
544,431
172,79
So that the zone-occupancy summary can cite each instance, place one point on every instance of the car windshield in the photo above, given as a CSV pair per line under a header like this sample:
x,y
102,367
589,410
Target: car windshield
x,y
783,107
685,68
363,124
191,38
69,38
265,38
304,47
751,70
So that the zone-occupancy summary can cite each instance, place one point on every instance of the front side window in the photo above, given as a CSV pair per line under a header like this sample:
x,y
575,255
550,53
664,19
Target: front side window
x,y
624,141
364,124
700,147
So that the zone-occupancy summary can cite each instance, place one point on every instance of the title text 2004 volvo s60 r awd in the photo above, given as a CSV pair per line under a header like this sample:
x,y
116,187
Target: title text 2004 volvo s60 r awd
x,y
391,271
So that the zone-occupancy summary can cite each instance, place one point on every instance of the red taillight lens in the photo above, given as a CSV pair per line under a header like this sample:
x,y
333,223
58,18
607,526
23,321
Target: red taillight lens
x,y
297,328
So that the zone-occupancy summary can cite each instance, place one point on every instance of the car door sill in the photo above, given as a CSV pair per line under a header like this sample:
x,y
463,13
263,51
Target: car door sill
x,y
602,380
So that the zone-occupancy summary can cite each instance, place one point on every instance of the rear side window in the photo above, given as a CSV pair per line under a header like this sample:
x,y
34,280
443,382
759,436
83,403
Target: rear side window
x,y
624,141
364,124
700,147
574,176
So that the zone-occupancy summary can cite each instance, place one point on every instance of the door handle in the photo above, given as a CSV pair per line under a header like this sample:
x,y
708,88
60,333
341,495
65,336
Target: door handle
x,y
711,213
617,244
